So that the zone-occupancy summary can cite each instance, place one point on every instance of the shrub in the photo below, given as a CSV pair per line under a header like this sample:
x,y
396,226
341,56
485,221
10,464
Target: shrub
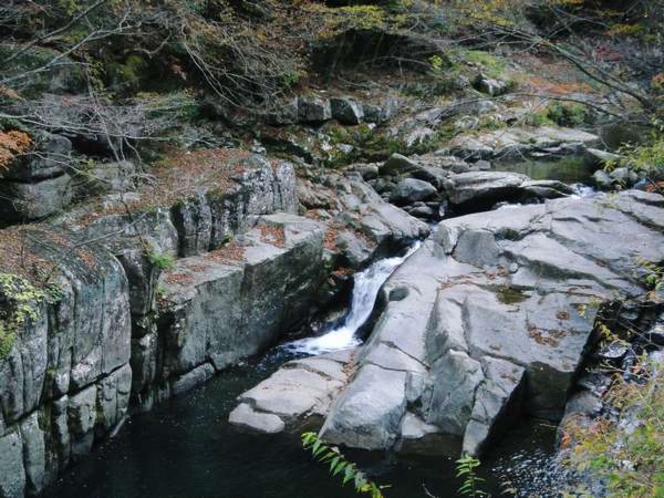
x,y
628,454
162,261
568,114
21,304
647,158
12,144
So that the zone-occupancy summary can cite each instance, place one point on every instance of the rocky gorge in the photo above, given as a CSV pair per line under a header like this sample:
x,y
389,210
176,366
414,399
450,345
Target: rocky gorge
x,y
431,244
482,323
125,332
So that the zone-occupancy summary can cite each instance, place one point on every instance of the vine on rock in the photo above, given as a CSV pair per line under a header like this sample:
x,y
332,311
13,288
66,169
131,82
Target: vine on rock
x,y
20,304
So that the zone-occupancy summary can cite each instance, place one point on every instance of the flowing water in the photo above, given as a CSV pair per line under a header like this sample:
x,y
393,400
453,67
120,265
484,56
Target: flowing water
x,y
366,286
187,449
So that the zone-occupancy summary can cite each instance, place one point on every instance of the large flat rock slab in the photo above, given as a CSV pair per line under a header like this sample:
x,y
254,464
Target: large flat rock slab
x,y
520,142
302,391
491,318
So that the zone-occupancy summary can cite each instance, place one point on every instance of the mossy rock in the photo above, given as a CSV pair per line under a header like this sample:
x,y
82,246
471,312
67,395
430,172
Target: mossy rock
x,y
66,76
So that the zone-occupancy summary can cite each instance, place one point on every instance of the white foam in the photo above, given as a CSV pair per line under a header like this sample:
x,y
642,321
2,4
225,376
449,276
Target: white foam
x,y
365,291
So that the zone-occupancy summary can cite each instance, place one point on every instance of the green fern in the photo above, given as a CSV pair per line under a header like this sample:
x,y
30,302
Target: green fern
x,y
162,261
466,469
340,466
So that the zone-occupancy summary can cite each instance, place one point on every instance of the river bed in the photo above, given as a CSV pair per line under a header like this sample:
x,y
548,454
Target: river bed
x,y
187,449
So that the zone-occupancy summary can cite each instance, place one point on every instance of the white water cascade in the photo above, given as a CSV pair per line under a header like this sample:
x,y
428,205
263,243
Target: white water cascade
x,y
365,291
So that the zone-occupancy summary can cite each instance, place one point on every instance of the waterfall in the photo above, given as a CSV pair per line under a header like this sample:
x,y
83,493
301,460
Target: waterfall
x,y
366,286
581,190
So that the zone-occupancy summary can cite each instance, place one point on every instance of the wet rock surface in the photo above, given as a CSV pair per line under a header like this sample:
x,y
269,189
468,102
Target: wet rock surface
x,y
485,322
300,392
157,299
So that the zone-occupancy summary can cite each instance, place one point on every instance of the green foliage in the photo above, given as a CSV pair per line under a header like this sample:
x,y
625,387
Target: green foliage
x,y
32,59
443,84
629,458
647,158
129,73
22,296
69,7
570,115
6,341
178,107
490,123
21,305
467,470
654,275
292,78
368,144
377,144
561,114
340,466
161,292
491,65
364,17
162,261
437,65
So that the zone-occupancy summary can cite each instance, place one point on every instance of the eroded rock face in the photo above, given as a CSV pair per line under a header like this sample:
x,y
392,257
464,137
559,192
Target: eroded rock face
x,y
37,184
366,223
66,379
486,321
491,310
69,375
229,304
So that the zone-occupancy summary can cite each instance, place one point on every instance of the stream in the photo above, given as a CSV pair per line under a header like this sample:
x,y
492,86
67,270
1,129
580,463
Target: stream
x,y
366,286
187,449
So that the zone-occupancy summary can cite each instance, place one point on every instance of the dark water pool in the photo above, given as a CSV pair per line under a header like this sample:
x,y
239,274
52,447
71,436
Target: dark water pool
x,y
567,169
187,449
